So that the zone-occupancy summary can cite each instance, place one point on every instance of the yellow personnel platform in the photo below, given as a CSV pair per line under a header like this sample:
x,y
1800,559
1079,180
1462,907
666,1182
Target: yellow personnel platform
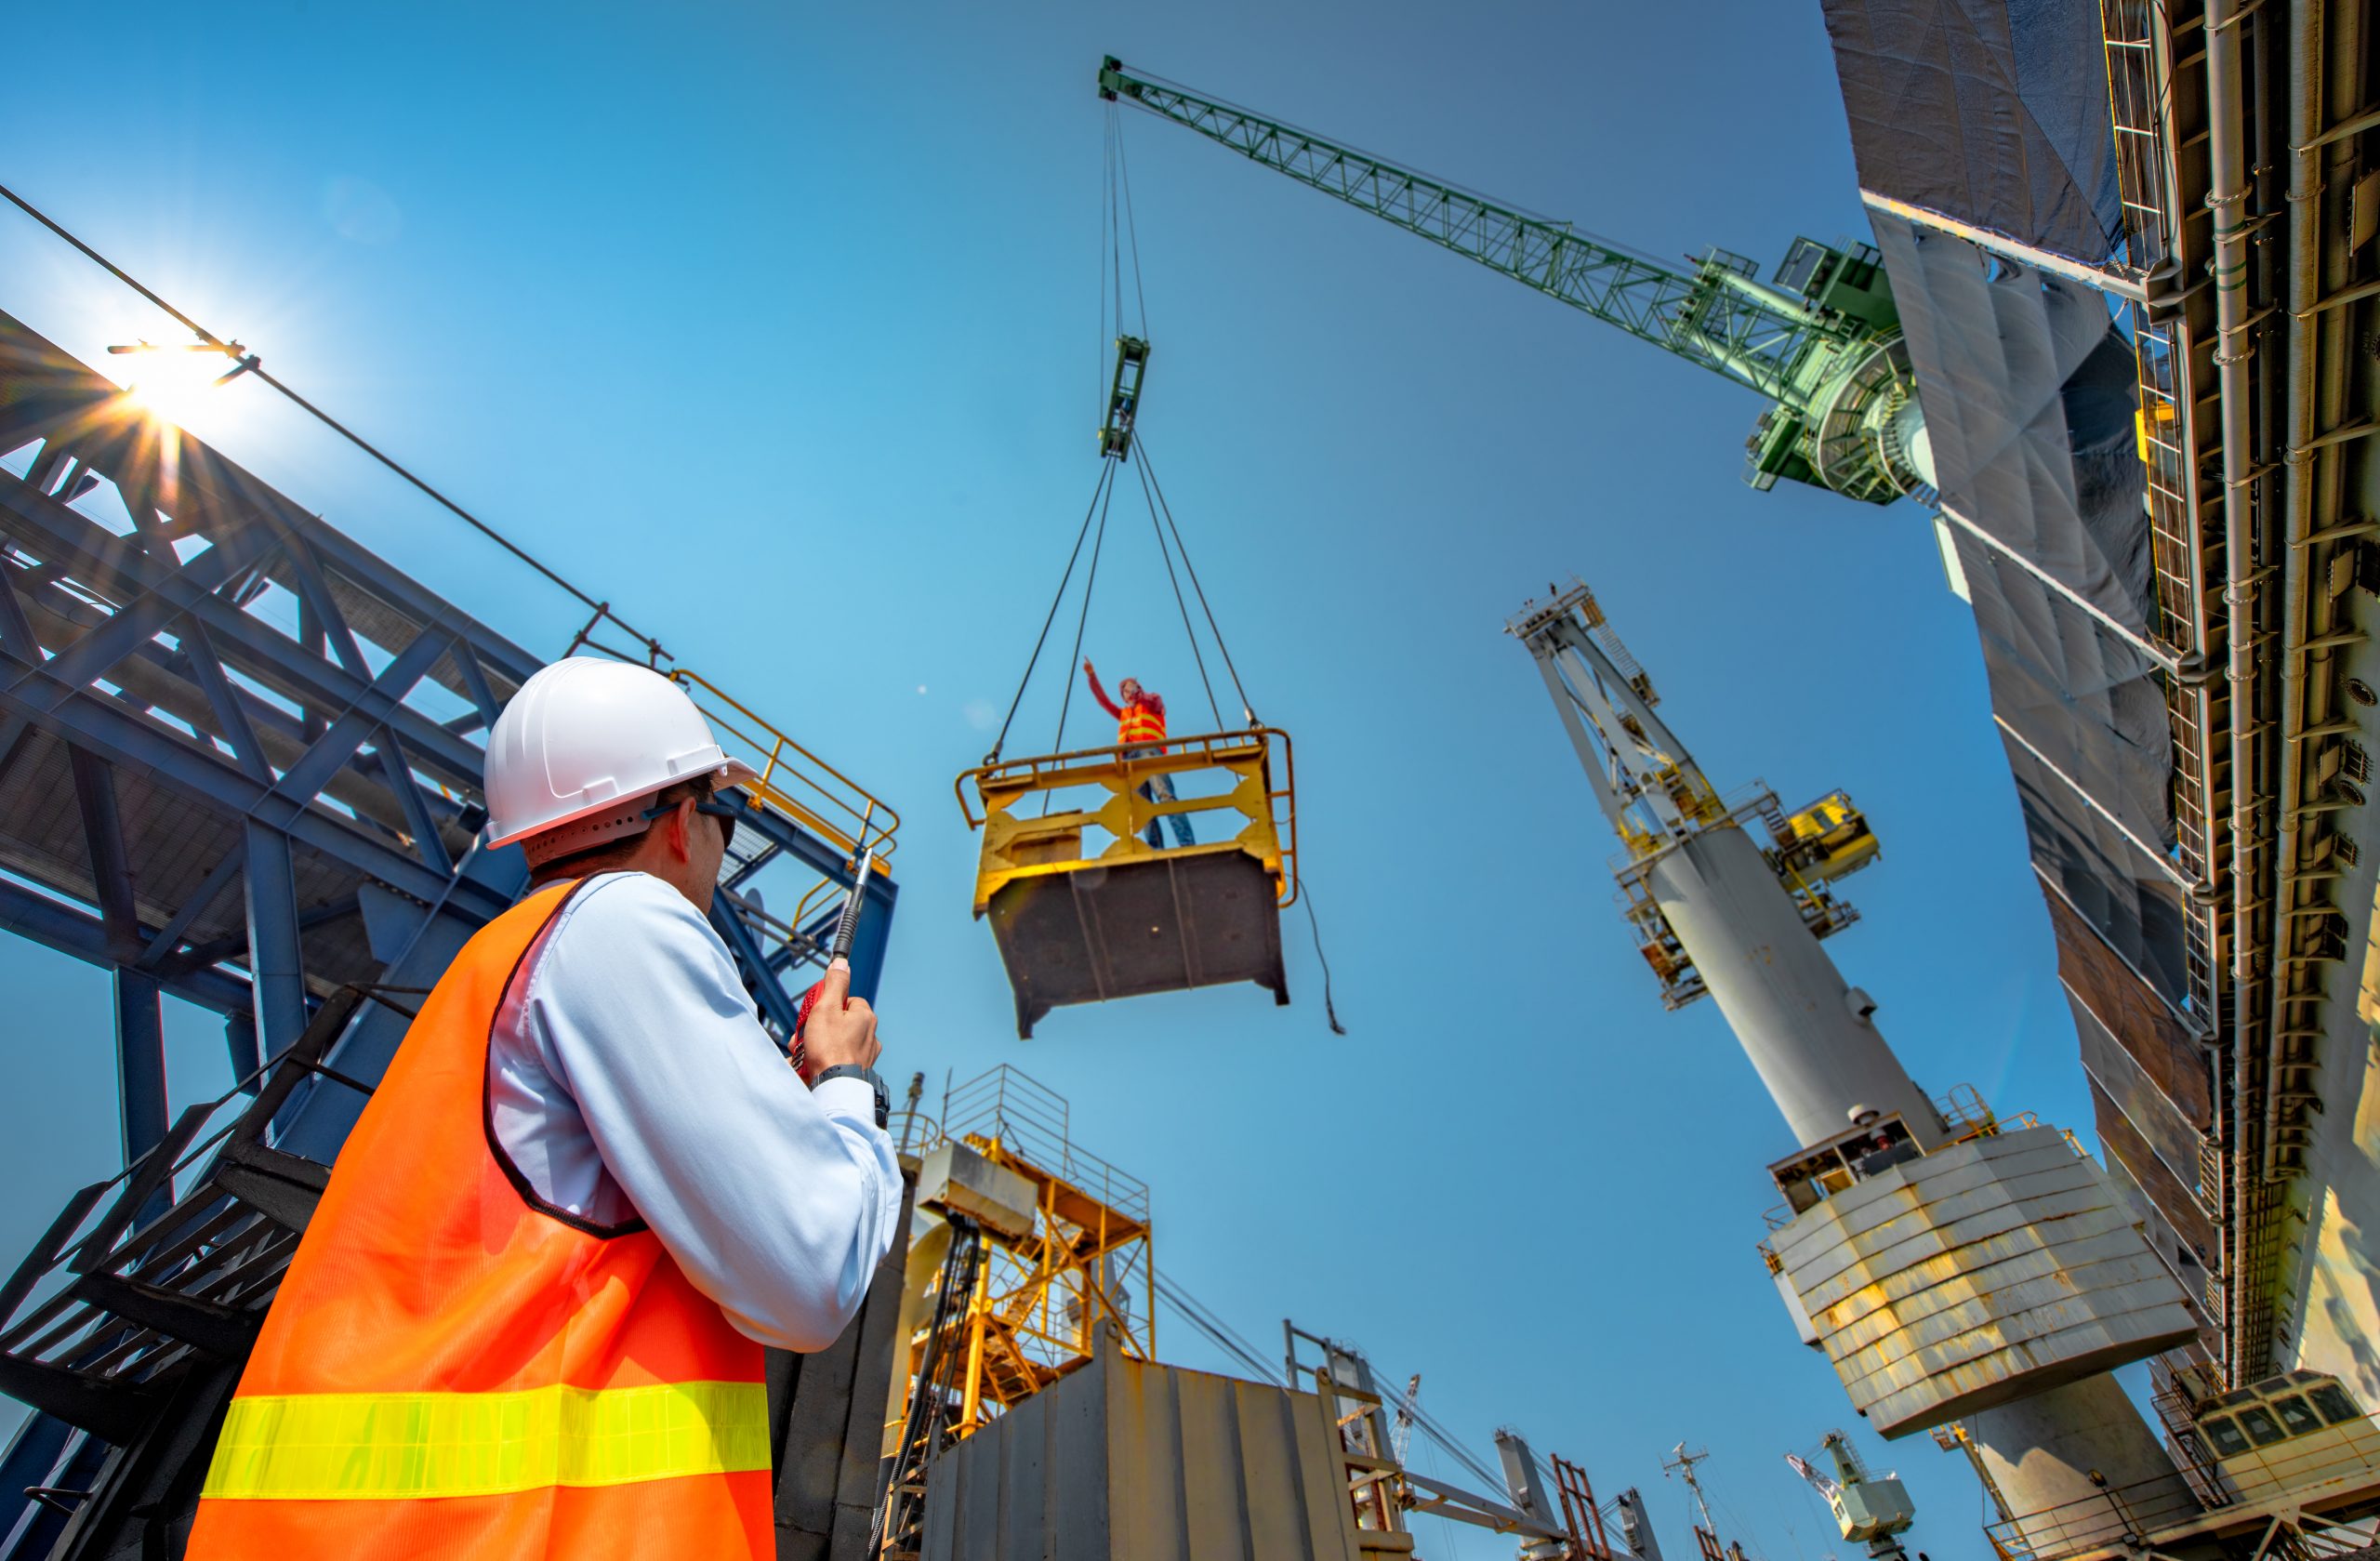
x,y
1085,909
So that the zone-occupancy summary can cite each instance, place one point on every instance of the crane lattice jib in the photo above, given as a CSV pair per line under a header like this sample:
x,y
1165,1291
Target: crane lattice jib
x,y
1718,315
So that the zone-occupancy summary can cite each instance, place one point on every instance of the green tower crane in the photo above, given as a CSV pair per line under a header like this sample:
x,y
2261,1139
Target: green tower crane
x,y
1821,339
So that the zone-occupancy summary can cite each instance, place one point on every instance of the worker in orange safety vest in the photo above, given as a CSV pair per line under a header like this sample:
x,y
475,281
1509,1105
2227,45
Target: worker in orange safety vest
x,y
527,1316
1140,731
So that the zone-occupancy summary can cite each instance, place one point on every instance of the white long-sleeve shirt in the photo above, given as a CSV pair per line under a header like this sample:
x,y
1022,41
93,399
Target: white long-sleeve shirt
x,y
630,1080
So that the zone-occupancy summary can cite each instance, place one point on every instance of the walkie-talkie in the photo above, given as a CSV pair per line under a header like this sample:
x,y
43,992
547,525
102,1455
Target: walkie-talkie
x,y
840,951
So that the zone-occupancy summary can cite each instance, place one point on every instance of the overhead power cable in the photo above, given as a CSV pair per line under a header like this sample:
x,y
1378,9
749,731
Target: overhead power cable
x,y
254,367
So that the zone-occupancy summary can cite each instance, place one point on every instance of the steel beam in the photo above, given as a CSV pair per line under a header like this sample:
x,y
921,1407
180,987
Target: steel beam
x,y
276,963
55,924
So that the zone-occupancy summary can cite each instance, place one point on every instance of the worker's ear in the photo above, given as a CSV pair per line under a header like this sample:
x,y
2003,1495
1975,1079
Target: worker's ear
x,y
681,830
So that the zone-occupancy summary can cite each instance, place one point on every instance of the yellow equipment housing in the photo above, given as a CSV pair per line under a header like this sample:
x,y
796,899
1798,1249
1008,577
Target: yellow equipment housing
x,y
1826,840
1081,919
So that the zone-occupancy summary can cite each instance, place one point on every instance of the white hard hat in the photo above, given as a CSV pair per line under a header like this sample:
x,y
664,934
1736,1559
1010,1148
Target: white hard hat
x,y
585,735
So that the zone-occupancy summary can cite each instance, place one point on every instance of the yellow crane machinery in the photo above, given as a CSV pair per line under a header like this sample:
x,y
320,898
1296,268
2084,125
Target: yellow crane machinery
x,y
1041,1245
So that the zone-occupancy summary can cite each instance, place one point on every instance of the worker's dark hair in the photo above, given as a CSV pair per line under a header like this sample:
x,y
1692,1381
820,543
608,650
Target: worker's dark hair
x,y
606,855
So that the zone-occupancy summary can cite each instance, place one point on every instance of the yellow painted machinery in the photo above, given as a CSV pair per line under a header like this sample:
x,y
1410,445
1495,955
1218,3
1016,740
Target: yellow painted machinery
x,y
1084,909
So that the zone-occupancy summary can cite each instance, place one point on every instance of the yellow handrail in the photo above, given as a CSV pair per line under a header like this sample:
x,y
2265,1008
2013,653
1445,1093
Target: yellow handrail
x,y
1272,831
836,808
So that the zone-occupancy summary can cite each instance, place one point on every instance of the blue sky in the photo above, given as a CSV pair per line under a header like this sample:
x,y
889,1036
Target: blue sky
x,y
780,330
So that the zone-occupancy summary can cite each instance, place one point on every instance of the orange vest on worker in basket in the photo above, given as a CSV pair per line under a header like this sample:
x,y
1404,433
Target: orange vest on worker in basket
x,y
452,1370
1143,722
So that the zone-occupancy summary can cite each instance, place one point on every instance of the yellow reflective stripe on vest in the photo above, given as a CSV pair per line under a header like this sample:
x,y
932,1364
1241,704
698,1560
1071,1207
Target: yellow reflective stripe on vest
x,y
392,1446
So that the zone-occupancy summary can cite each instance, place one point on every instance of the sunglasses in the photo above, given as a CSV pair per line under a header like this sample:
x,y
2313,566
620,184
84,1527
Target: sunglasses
x,y
726,813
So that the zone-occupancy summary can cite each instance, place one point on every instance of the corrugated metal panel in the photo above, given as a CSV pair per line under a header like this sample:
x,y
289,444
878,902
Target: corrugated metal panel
x,y
1128,1462
2148,1116
2150,1033
1979,1274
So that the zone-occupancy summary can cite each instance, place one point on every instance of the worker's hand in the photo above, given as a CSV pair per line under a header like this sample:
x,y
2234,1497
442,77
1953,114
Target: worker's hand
x,y
841,1027
1086,665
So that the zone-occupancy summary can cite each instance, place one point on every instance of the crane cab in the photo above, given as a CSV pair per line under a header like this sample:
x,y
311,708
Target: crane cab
x,y
1085,909
2298,1435
1825,841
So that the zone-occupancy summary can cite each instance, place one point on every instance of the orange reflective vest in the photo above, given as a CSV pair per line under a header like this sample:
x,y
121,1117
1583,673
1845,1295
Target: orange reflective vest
x,y
1143,722
453,1370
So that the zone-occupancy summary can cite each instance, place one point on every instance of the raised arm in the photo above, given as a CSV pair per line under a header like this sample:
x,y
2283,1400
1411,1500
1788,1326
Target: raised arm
x,y
1100,693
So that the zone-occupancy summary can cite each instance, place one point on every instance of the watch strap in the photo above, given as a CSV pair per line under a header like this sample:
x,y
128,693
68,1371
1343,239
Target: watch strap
x,y
853,1070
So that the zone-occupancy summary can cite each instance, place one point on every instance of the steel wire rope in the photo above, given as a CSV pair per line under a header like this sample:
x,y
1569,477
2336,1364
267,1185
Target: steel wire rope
x,y
1202,1318
1089,584
1179,600
1107,222
1131,228
1115,236
1246,708
254,364
1105,474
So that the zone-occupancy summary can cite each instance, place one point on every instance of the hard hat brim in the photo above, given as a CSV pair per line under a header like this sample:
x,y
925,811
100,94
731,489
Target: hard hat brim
x,y
730,771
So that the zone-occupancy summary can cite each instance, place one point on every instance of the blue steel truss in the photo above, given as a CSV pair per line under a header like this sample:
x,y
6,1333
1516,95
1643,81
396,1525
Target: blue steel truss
x,y
240,763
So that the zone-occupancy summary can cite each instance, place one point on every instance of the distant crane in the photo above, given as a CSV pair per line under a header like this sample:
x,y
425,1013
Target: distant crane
x,y
1821,339
1706,1533
1400,1435
1871,1509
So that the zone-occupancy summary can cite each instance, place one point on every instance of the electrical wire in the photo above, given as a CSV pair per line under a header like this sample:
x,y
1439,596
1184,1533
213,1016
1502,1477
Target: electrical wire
x,y
1098,490
1246,709
254,365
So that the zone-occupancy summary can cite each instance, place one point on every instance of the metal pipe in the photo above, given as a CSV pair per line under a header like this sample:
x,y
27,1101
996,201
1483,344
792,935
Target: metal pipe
x,y
2227,199
2304,281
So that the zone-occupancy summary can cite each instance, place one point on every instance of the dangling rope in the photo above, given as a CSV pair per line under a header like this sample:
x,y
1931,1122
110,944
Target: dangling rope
x,y
1098,492
1140,453
1306,893
1089,583
1179,600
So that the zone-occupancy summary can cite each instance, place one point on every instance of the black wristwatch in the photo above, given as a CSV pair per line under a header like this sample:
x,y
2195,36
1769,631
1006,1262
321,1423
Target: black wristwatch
x,y
852,1070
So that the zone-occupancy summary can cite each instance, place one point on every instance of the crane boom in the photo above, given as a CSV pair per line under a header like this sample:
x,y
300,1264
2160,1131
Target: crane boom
x,y
1820,341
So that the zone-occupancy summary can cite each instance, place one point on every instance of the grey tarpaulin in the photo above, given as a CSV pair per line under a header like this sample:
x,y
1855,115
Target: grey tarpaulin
x,y
2103,876
1993,111
2087,701
2027,391
2029,396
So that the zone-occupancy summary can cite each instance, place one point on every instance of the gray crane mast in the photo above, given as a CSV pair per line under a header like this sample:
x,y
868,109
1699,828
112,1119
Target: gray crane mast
x,y
1953,1268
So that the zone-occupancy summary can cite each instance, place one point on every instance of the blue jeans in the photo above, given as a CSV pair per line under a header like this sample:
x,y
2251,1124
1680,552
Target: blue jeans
x,y
1159,789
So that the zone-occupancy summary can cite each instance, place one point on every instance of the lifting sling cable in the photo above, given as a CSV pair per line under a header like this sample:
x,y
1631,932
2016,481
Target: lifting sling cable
x,y
1140,450
1179,600
1089,583
1098,492
1131,229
